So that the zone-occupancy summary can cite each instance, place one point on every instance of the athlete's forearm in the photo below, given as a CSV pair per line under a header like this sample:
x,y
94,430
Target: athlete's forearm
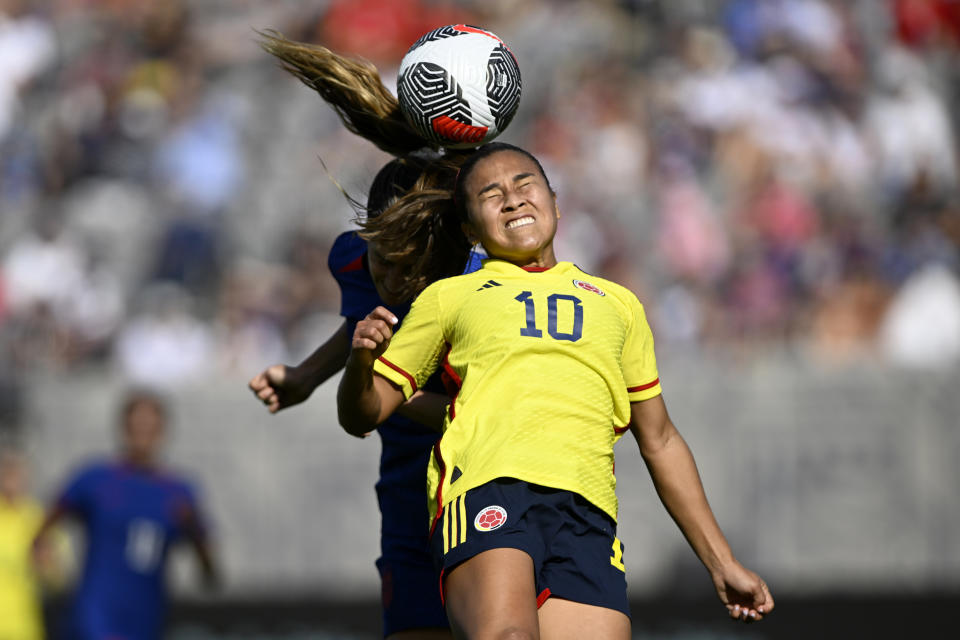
x,y
364,399
675,476
208,566
327,359
427,408
358,401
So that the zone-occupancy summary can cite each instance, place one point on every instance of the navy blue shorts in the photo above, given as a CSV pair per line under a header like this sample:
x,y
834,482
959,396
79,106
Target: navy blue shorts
x,y
410,594
574,546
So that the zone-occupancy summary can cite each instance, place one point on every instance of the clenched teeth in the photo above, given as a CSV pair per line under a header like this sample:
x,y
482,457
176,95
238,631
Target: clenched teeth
x,y
520,222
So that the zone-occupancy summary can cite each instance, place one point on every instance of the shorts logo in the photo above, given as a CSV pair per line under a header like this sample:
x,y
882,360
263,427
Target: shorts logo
x,y
490,518
586,286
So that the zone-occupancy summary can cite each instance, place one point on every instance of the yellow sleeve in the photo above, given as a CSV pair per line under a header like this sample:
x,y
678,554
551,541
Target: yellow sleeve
x,y
417,347
639,361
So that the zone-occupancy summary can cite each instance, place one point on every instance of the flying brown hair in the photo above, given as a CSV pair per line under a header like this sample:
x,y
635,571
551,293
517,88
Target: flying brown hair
x,y
419,233
420,230
352,87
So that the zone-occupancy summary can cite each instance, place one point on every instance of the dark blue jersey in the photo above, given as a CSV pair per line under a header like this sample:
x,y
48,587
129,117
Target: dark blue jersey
x,y
130,517
401,488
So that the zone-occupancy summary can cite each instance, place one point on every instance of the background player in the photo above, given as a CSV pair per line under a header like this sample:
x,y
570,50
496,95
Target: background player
x,y
412,251
553,366
23,573
132,511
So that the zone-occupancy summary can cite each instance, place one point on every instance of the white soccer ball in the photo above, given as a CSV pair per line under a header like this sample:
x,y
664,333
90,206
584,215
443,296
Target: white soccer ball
x,y
459,86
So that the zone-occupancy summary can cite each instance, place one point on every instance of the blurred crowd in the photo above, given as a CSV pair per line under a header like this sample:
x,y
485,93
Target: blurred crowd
x,y
767,175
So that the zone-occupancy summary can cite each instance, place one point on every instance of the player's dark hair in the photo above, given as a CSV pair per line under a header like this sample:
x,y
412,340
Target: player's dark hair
x,y
459,189
395,178
423,228
418,229
353,88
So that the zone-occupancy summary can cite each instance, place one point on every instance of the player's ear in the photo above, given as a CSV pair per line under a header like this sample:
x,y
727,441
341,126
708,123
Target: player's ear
x,y
469,232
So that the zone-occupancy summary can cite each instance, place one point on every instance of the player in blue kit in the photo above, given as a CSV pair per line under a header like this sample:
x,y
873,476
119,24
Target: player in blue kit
x,y
132,512
416,250
368,279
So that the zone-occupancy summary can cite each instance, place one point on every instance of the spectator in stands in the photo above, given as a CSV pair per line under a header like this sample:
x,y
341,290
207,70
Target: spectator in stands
x,y
166,344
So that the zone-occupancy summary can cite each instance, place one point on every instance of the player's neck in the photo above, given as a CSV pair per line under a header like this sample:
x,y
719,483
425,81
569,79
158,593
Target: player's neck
x,y
542,261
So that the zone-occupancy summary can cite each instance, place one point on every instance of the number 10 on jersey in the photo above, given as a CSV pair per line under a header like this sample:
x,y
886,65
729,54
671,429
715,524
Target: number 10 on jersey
x,y
555,302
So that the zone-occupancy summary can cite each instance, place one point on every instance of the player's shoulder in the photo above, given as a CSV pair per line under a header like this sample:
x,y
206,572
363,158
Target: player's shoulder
x,y
176,480
87,476
347,253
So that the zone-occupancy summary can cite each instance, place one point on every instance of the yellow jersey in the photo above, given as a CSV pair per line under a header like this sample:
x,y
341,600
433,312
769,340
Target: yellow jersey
x,y
547,362
20,617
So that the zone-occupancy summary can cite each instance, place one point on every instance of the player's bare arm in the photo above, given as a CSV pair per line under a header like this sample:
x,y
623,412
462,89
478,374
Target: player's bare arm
x,y
281,386
677,481
197,536
427,408
41,542
364,399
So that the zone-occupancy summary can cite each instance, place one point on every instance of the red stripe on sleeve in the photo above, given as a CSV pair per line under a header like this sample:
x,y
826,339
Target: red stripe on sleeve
x,y
543,597
413,383
644,387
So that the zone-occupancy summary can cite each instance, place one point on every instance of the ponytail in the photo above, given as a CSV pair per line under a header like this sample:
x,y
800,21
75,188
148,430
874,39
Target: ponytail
x,y
353,88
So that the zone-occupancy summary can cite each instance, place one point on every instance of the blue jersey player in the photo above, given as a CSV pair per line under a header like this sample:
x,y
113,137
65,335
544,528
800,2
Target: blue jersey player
x,y
132,513
367,279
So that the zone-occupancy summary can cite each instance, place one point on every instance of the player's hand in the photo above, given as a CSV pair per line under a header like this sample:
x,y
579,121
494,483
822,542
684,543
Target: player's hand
x,y
745,595
372,336
279,387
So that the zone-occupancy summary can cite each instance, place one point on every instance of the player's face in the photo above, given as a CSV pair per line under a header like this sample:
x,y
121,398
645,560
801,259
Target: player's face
x,y
513,212
387,276
143,433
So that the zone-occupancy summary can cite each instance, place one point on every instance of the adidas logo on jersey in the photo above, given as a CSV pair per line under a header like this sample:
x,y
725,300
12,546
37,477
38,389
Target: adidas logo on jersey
x,y
489,284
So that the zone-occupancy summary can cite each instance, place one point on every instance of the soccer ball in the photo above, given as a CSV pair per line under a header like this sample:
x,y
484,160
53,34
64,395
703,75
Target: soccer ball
x,y
459,86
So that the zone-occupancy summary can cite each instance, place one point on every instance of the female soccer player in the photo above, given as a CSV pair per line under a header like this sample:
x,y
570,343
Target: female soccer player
x,y
20,517
412,250
553,365
133,512
368,279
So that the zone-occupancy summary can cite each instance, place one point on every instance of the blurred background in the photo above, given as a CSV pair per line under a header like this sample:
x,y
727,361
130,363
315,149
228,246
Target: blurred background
x,y
776,179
